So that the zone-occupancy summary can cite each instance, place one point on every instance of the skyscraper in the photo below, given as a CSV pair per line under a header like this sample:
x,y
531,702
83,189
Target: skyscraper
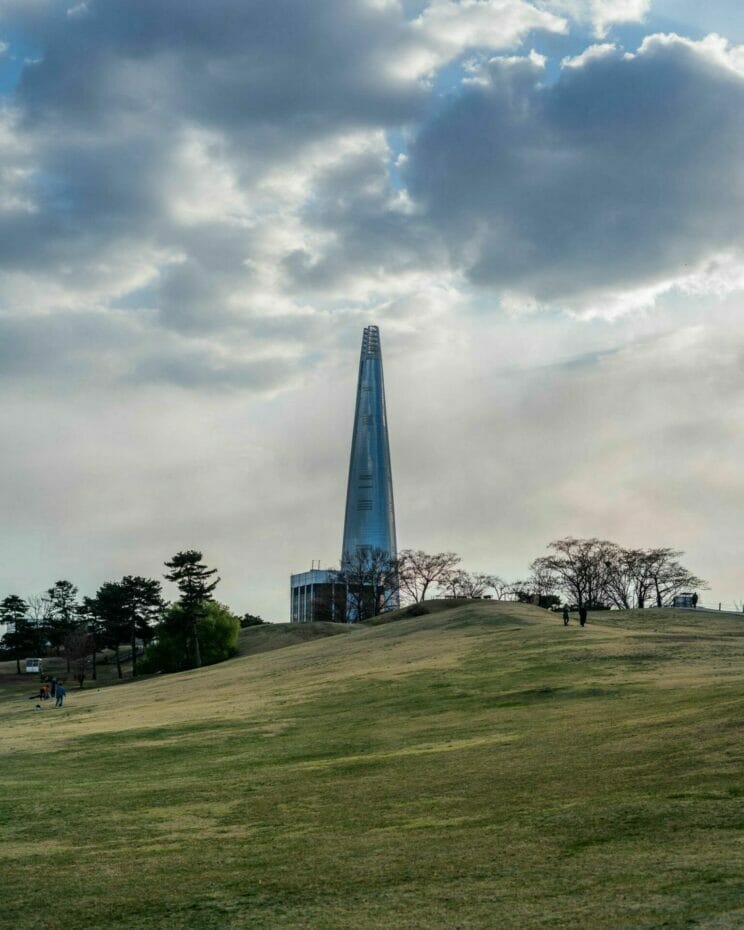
x,y
370,513
369,523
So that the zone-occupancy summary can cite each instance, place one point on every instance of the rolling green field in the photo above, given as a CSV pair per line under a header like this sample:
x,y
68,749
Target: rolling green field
x,y
480,767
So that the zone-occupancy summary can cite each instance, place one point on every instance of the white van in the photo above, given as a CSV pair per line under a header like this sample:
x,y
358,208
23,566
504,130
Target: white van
x,y
33,666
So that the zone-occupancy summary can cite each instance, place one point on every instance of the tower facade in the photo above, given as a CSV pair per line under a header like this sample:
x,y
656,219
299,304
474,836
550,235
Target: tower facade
x,y
370,512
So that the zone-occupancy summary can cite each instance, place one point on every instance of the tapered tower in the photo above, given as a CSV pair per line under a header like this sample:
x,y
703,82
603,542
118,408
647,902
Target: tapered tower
x,y
370,512
364,586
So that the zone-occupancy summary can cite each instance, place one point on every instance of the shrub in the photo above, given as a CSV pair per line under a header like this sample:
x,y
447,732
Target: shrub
x,y
218,634
170,649
250,620
417,610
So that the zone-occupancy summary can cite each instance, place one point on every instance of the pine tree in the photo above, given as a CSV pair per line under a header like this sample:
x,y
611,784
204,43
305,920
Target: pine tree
x,y
194,581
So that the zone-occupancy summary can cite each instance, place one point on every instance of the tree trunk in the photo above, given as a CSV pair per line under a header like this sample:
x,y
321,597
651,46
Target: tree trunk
x,y
94,671
197,650
134,655
18,664
118,662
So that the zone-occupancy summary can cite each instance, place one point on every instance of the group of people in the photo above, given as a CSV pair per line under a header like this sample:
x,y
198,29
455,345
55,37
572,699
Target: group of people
x,y
582,615
53,689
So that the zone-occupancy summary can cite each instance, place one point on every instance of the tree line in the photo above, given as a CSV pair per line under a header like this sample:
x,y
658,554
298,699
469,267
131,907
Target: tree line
x,y
597,573
130,618
584,573
371,582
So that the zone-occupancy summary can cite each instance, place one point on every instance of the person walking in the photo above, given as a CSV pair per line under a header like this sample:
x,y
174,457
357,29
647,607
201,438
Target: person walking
x,y
54,687
565,615
582,615
61,692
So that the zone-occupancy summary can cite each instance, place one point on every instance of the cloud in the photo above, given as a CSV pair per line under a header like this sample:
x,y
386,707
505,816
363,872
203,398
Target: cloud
x,y
602,14
589,54
566,193
231,184
114,351
445,29
189,167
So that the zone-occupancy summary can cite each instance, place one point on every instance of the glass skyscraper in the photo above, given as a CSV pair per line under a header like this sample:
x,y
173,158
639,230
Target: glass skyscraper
x,y
369,523
370,513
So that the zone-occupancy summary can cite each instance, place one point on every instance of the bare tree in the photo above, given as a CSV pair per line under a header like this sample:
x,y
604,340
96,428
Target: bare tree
x,y
370,577
453,584
464,584
503,589
79,645
542,586
596,572
625,577
579,568
477,583
418,571
39,611
667,576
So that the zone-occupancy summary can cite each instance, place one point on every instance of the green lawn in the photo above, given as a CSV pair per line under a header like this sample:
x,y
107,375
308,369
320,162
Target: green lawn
x,y
480,767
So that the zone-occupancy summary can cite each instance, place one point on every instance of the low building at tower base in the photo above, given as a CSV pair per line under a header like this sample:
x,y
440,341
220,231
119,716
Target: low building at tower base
x,y
317,595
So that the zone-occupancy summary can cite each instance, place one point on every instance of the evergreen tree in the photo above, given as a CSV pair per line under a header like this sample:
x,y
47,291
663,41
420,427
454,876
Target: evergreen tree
x,y
143,607
196,584
64,613
23,638
108,607
128,609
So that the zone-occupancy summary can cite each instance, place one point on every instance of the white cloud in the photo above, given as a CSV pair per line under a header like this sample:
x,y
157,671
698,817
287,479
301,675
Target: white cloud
x,y
592,53
602,14
445,29
713,48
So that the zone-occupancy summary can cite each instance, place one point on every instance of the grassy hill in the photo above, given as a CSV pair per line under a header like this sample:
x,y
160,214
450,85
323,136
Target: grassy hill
x,y
269,636
479,767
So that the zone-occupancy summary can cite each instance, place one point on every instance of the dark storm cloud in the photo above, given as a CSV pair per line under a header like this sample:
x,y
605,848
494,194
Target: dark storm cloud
x,y
113,99
89,196
374,231
228,63
198,156
625,170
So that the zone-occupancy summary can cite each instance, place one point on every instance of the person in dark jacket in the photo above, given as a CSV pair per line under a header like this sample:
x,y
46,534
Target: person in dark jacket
x,y
565,615
61,692
582,615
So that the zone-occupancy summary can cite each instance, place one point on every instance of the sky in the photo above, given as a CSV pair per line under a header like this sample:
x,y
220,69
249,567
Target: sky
x,y
203,203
